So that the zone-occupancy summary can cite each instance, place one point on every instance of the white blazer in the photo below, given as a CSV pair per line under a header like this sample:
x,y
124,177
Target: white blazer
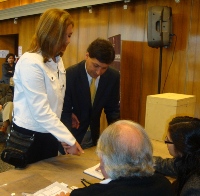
x,y
39,94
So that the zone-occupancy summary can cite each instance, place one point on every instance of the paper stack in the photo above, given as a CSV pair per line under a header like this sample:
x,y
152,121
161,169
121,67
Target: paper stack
x,y
92,172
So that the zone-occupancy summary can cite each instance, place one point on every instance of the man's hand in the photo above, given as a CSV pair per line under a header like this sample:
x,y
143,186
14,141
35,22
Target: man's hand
x,y
75,149
1,107
75,121
102,169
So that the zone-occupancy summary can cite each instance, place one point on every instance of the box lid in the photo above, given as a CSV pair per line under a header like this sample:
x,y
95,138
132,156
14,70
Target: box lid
x,y
172,99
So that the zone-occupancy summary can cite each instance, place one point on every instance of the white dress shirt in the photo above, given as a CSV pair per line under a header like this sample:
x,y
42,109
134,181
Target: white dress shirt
x,y
90,79
39,95
106,181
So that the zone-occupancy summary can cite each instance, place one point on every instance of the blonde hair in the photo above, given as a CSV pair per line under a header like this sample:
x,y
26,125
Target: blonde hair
x,y
50,33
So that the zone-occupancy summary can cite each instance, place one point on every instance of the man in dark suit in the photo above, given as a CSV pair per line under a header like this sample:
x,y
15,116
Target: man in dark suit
x,y
78,106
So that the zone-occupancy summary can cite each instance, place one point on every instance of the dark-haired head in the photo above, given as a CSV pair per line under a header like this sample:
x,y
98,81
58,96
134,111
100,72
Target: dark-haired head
x,y
9,55
184,131
102,50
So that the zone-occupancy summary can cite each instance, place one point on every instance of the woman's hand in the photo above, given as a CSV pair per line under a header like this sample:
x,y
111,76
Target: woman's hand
x,y
75,149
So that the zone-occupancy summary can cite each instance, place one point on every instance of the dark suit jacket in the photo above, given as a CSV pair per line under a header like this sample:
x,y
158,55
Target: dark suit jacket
x,y
78,101
136,186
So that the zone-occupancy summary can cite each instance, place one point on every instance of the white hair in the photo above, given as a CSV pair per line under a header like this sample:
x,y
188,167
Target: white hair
x,y
126,150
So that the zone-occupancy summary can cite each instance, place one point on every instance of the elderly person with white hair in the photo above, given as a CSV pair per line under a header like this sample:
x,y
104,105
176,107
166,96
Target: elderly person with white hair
x,y
126,162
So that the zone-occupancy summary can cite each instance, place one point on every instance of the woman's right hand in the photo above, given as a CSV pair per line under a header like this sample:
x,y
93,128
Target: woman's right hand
x,y
75,149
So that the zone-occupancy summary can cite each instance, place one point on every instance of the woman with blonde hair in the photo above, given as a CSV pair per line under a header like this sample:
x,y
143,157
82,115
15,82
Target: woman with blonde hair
x,y
40,87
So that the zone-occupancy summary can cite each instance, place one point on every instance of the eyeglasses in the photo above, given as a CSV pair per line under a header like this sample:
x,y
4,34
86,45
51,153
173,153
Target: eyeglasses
x,y
167,141
84,181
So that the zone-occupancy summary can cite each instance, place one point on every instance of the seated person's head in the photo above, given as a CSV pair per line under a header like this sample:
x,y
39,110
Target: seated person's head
x,y
184,135
125,151
10,58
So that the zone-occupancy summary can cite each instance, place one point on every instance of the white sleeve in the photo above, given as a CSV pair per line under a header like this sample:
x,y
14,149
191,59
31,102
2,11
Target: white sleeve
x,y
33,84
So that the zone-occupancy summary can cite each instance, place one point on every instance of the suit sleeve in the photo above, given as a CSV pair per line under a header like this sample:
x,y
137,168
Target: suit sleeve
x,y
112,107
66,116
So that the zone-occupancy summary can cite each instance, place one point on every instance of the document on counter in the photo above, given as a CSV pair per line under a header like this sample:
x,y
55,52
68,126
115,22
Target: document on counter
x,y
51,190
92,172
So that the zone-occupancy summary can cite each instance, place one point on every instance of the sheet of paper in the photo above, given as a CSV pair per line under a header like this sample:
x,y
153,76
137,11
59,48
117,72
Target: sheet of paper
x,y
51,190
92,172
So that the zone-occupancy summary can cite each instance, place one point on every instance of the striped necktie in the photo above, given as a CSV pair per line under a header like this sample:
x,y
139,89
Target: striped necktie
x,y
93,89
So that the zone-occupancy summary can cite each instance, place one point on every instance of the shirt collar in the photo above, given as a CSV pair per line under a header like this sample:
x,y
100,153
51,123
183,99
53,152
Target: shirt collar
x,y
89,77
106,181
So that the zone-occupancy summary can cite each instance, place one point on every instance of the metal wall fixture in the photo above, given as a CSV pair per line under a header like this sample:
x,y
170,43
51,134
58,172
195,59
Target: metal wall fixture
x,y
125,6
15,20
89,9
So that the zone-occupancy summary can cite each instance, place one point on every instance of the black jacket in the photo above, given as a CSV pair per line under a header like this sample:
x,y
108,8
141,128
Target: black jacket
x,y
78,101
168,167
136,186
6,74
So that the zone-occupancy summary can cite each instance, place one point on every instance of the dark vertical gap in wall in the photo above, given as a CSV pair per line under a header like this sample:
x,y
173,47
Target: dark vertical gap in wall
x,y
16,40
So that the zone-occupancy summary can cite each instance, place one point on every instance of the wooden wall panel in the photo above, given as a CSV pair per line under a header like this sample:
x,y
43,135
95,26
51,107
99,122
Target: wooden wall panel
x,y
88,26
8,27
115,19
9,4
27,29
70,56
192,82
91,26
15,3
133,21
149,76
181,17
111,19
131,71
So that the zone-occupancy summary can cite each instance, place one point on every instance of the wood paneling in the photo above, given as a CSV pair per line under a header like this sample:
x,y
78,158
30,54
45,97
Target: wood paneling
x,y
8,27
111,19
91,25
115,19
192,80
131,72
26,31
70,56
15,3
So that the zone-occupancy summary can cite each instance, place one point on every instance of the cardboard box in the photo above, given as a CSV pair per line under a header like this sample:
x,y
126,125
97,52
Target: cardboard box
x,y
162,108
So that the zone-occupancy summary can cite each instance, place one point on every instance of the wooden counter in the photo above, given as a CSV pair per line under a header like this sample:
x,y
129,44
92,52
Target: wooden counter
x,y
66,168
